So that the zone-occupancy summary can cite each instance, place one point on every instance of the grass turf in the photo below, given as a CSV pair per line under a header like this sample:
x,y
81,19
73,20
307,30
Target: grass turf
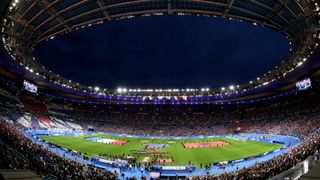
x,y
235,150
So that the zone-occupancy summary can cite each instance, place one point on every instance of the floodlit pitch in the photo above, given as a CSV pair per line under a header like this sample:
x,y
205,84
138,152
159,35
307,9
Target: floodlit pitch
x,y
231,149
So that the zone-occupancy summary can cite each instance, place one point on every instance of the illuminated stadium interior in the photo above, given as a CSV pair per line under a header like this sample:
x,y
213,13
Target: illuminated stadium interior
x,y
55,128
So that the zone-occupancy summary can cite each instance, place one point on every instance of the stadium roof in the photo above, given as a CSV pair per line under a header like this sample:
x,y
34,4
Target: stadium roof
x,y
26,23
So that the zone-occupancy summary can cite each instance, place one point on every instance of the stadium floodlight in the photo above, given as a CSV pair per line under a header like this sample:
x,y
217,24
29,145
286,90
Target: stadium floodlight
x,y
223,88
119,90
96,88
251,82
231,87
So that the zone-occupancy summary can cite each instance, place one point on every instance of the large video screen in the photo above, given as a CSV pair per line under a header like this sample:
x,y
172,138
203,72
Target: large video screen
x,y
303,84
29,87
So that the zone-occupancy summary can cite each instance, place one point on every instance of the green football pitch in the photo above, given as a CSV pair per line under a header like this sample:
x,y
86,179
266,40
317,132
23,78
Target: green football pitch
x,y
236,149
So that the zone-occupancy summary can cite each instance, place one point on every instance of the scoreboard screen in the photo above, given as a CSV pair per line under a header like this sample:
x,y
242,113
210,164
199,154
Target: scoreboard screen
x,y
303,84
29,87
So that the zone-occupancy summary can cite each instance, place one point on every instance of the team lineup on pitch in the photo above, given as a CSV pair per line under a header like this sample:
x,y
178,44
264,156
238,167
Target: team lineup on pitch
x,y
196,151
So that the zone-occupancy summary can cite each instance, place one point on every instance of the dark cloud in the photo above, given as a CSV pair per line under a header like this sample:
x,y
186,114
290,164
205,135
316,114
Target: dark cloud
x,y
166,51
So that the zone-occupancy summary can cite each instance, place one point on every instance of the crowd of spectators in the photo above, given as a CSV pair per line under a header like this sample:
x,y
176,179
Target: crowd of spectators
x,y
297,116
40,159
262,120
275,166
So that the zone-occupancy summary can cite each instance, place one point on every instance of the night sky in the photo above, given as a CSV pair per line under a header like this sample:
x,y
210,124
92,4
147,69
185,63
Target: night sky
x,y
164,52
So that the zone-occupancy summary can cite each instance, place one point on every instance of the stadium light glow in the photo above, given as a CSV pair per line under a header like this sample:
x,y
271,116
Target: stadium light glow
x,y
123,90
231,87
119,90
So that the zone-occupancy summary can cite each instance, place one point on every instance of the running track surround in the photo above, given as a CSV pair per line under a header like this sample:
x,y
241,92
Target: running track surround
x,y
289,141
30,22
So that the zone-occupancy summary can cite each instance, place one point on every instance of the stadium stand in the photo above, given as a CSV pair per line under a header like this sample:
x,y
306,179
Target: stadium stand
x,y
9,174
300,117
268,104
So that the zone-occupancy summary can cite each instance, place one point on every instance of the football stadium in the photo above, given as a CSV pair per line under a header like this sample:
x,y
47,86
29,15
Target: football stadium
x,y
160,89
